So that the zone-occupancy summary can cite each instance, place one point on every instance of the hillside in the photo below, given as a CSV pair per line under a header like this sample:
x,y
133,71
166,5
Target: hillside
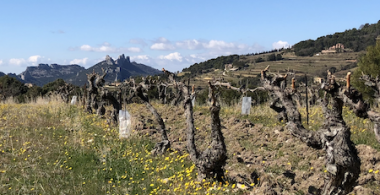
x,y
312,66
341,51
354,39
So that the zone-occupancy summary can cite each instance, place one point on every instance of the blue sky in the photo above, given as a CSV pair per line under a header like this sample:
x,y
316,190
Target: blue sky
x,y
170,34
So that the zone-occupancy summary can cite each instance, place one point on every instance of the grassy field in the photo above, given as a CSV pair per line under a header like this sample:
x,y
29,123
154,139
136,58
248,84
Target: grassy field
x,y
48,147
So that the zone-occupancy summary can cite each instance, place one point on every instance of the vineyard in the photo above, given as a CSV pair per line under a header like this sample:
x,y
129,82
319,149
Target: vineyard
x,y
49,146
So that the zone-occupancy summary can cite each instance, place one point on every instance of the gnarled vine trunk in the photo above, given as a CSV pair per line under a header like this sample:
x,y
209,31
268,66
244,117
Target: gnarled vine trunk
x,y
107,96
210,163
342,161
164,145
162,93
91,92
137,91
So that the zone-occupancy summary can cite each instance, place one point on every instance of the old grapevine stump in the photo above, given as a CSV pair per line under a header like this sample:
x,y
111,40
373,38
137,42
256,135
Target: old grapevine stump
x,y
210,162
342,161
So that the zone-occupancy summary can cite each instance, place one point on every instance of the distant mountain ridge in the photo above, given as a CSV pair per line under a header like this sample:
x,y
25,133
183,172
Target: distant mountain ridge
x,y
11,75
118,70
44,73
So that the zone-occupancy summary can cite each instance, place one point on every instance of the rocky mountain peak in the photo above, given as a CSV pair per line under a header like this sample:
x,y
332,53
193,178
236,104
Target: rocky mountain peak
x,y
122,60
54,66
25,75
109,60
43,66
121,57
128,60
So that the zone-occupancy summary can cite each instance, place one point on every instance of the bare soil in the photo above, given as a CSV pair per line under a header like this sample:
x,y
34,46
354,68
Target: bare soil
x,y
265,158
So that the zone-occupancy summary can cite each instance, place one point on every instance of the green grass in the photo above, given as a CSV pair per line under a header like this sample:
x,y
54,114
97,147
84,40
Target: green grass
x,y
54,148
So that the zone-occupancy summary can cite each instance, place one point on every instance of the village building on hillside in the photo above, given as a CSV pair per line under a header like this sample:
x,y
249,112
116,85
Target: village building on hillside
x,y
234,69
318,80
338,48
230,67
227,66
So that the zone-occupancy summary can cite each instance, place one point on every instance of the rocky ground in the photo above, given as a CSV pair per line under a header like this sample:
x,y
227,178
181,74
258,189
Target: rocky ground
x,y
263,158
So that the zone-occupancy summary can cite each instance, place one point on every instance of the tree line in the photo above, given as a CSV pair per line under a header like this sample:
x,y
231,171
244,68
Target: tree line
x,y
355,39
12,87
216,63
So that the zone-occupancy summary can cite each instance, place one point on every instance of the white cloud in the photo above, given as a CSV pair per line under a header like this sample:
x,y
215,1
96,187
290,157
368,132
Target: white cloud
x,y
172,56
218,45
189,44
162,40
224,47
1,62
17,61
228,47
85,48
106,47
162,46
79,61
134,49
34,59
195,57
144,59
103,48
140,57
280,44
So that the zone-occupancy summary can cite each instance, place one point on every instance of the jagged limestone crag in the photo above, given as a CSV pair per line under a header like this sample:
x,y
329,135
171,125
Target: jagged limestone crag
x,y
118,70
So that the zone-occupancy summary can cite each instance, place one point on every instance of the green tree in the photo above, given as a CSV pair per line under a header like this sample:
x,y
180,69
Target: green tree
x,y
271,57
238,64
11,87
52,86
259,59
368,63
278,57
34,92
